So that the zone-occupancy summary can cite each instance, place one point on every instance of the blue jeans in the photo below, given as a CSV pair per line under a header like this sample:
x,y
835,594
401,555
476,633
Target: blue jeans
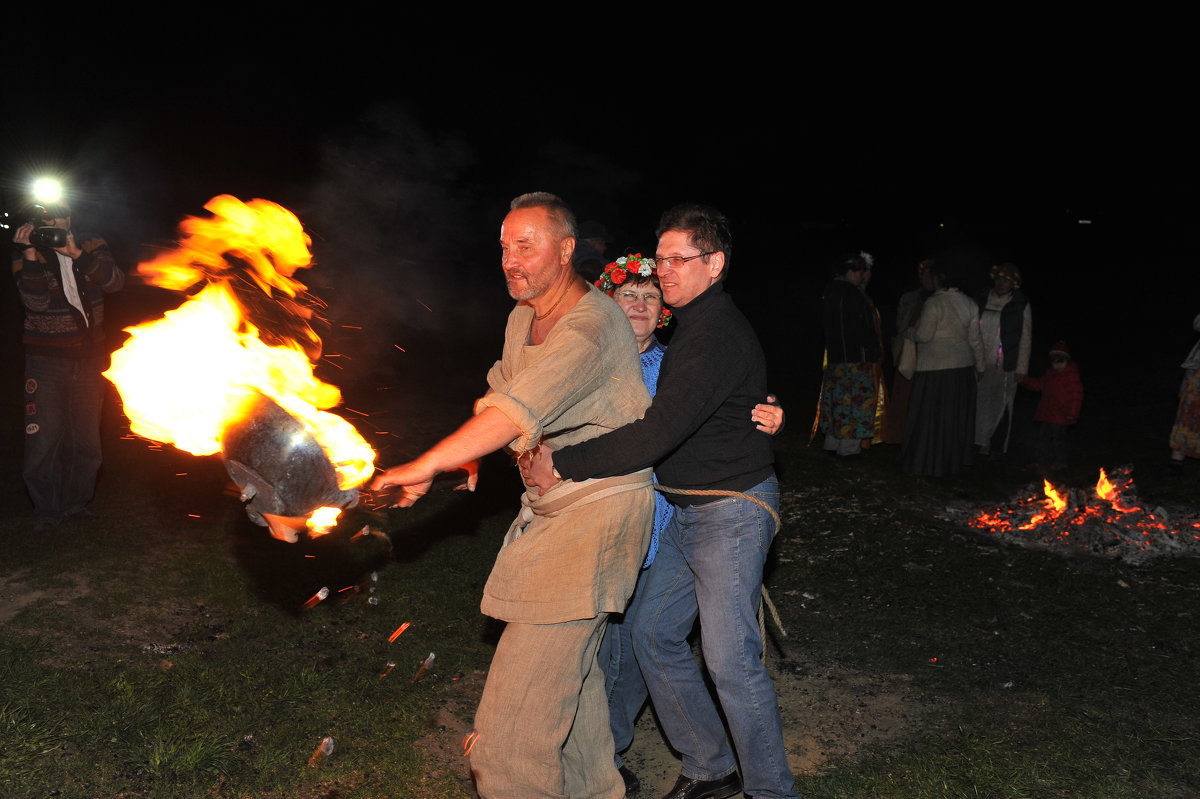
x,y
623,682
709,566
63,401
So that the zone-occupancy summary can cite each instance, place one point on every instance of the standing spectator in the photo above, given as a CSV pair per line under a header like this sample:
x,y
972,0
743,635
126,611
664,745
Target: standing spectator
x,y
904,351
1185,433
711,554
1006,324
569,371
1058,408
941,413
633,282
850,388
62,286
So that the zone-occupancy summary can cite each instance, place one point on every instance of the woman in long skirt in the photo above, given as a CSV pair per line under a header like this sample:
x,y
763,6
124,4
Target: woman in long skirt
x,y
939,433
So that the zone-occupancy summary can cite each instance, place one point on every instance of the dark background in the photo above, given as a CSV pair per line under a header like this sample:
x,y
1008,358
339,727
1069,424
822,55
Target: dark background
x,y
400,162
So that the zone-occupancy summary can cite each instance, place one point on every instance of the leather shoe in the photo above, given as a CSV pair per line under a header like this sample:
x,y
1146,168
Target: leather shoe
x,y
721,788
632,783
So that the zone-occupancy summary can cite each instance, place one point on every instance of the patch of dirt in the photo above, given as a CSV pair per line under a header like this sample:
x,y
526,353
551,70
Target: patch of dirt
x,y
828,716
18,591
443,745
144,626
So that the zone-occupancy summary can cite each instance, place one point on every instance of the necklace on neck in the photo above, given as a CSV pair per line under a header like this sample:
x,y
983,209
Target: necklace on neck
x,y
562,294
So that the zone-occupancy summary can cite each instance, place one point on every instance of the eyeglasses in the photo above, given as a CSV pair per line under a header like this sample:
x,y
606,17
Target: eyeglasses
x,y
633,296
676,261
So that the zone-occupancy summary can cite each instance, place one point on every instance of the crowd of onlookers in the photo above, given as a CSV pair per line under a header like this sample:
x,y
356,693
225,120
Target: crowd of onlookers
x,y
956,361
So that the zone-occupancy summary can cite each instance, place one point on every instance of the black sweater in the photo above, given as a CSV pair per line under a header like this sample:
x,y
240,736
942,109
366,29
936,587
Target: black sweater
x,y
697,433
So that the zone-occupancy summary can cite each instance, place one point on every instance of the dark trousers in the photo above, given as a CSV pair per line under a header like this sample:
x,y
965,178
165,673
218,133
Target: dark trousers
x,y
63,401
1052,443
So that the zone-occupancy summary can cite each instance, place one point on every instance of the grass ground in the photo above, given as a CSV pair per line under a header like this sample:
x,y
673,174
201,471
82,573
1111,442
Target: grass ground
x,y
163,648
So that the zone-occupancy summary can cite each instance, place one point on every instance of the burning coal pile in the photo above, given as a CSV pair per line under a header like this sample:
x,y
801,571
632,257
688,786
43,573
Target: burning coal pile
x,y
1107,520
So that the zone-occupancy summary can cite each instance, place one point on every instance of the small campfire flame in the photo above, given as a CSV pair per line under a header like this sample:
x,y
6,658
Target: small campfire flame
x,y
241,334
1108,520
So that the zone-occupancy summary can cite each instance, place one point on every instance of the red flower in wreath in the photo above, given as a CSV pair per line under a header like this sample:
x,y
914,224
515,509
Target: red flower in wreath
x,y
618,276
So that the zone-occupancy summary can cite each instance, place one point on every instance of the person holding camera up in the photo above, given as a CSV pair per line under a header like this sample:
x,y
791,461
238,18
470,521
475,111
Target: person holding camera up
x,y
62,280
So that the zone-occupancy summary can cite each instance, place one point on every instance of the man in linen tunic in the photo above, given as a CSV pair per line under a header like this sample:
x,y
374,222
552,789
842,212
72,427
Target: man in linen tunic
x,y
566,390
569,372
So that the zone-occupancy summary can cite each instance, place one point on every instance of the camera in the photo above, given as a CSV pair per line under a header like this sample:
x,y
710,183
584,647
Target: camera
x,y
48,237
44,235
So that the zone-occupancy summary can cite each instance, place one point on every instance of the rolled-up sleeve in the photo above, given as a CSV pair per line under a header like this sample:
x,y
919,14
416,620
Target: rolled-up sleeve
x,y
554,378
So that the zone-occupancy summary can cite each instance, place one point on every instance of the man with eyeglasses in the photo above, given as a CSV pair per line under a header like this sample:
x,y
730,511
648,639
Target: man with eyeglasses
x,y
569,371
62,278
711,555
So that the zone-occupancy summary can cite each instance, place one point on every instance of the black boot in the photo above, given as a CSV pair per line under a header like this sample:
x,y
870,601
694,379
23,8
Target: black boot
x,y
632,783
720,788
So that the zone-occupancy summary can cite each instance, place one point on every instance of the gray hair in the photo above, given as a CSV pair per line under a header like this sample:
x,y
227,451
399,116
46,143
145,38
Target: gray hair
x,y
558,210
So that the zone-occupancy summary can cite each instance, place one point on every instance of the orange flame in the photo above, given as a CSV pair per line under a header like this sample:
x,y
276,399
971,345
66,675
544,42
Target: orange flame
x,y
1056,502
182,378
1107,491
322,520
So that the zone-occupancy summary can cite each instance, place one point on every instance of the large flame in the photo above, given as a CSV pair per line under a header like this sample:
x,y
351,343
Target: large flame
x,y
182,377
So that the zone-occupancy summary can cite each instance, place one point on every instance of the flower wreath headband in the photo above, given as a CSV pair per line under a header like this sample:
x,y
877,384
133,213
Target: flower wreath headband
x,y
1009,273
624,268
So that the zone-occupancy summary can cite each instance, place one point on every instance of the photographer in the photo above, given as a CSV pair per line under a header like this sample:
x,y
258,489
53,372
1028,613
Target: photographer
x,y
62,280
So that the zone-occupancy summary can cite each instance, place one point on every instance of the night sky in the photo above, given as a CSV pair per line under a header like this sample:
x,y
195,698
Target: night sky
x,y
401,171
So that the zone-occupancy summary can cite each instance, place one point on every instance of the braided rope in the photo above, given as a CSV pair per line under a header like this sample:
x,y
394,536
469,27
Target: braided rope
x,y
766,597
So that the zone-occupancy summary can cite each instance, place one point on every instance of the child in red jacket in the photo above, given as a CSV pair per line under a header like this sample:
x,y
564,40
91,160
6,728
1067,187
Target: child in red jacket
x,y
1058,408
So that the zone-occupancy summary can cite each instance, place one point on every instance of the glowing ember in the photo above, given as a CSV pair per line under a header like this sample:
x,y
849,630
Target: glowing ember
x,y
323,750
190,376
425,664
1108,521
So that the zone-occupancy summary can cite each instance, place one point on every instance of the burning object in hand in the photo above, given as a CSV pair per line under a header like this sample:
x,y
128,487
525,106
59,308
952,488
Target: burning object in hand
x,y
231,369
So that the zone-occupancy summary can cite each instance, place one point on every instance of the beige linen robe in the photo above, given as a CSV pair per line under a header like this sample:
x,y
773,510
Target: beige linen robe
x,y
565,560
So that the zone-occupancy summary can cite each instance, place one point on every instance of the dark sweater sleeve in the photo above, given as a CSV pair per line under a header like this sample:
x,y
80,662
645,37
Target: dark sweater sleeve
x,y
98,264
697,376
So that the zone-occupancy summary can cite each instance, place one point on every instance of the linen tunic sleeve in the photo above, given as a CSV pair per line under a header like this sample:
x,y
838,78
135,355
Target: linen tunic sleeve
x,y
565,385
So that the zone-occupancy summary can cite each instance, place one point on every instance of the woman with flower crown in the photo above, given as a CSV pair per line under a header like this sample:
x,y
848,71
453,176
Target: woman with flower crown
x,y
633,282
1006,325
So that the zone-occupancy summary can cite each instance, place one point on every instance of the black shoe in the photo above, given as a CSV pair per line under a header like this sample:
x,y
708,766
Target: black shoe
x,y
722,788
632,783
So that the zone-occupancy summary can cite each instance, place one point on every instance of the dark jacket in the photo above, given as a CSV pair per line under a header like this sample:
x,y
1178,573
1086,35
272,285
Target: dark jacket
x,y
849,321
1012,320
52,325
697,432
